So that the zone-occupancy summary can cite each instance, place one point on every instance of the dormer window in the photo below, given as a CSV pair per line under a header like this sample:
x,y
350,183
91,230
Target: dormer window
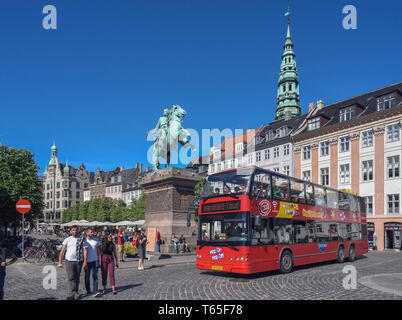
x,y
347,113
217,153
386,102
313,123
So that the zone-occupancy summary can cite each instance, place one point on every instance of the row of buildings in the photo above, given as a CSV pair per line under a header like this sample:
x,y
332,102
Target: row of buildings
x,y
65,186
352,144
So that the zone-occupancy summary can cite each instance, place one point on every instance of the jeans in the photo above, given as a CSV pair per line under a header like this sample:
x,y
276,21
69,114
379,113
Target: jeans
x,y
178,245
2,280
73,269
157,246
91,266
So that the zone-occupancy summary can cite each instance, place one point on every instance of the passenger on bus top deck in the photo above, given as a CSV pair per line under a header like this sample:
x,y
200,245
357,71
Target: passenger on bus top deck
x,y
243,187
217,191
226,189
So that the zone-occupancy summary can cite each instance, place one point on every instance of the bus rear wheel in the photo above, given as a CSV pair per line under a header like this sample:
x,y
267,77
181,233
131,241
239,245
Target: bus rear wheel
x,y
286,262
341,254
352,253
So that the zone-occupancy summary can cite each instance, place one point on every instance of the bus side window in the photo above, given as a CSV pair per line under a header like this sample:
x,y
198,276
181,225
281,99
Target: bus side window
x,y
319,196
309,194
280,188
297,193
311,231
332,199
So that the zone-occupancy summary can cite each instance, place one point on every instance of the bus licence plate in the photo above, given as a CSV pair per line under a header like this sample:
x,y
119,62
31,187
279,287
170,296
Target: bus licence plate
x,y
217,268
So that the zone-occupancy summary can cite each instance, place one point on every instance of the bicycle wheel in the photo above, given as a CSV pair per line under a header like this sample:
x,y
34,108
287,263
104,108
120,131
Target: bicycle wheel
x,y
40,258
29,255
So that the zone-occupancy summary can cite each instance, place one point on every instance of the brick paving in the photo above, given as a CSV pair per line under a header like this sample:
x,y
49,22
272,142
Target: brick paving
x,y
177,278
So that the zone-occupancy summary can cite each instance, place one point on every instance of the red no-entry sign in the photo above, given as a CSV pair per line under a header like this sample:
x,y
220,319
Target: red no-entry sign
x,y
23,206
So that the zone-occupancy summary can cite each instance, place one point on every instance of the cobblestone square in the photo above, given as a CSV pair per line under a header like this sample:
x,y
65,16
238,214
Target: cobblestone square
x,y
379,277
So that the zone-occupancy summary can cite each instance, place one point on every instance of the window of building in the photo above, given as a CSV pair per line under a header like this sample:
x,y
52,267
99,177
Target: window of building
x,y
78,185
258,156
276,152
306,152
386,102
78,195
393,166
313,123
239,147
307,175
250,158
324,175
286,170
369,204
393,132
344,173
346,114
225,165
344,144
393,203
266,154
286,150
232,163
58,195
324,148
219,167
58,185
367,139
367,170
276,169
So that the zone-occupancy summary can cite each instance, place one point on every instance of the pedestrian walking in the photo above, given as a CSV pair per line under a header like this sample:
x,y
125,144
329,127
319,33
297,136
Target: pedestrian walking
x,y
73,248
108,256
142,243
158,241
5,253
120,243
91,262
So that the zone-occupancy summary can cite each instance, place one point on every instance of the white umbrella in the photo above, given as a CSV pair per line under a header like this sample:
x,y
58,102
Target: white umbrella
x,y
139,222
125,223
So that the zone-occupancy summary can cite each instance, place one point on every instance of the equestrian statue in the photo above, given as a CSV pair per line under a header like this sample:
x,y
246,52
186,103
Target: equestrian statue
x,y
169,132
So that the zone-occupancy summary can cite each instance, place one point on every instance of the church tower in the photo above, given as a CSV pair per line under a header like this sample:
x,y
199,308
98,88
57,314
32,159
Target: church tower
x,y
288,84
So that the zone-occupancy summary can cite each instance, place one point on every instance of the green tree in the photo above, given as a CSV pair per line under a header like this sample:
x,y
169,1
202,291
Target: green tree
x,y
199,187
83,211
19,179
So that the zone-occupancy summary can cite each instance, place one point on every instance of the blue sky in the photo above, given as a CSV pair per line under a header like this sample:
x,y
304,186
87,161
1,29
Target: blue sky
x,y
100,81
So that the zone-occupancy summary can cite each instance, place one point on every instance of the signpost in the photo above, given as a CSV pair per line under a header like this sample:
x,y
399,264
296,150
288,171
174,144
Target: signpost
x,y
23,206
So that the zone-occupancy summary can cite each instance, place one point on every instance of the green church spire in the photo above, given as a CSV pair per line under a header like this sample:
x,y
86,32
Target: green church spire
x,y
54,154
288,84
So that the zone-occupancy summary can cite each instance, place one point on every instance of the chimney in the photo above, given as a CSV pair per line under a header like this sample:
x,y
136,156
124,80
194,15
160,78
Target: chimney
x,y
320,104
137,165
311,106
141,167
288,115
146,169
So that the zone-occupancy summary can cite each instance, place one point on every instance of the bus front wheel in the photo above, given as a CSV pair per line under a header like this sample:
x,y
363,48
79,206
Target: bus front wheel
x,y
286,262
341,254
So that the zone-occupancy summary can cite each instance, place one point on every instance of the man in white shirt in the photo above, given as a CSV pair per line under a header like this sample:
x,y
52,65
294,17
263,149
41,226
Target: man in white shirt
x,y
73,248
91,262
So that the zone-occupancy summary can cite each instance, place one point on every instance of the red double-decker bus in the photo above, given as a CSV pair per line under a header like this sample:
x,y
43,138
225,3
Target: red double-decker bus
x,y
254,220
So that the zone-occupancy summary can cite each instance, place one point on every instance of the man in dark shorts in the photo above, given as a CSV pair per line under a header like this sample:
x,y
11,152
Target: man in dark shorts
x,y
5,253
142,245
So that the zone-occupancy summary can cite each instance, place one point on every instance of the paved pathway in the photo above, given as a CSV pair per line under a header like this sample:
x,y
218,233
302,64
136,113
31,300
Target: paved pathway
x,y
379,276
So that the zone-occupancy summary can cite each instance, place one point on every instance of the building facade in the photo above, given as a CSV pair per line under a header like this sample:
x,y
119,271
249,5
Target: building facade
x,y
63,187
356,144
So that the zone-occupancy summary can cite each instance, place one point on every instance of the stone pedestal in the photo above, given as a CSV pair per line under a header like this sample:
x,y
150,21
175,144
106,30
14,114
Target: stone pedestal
x,y
169,204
